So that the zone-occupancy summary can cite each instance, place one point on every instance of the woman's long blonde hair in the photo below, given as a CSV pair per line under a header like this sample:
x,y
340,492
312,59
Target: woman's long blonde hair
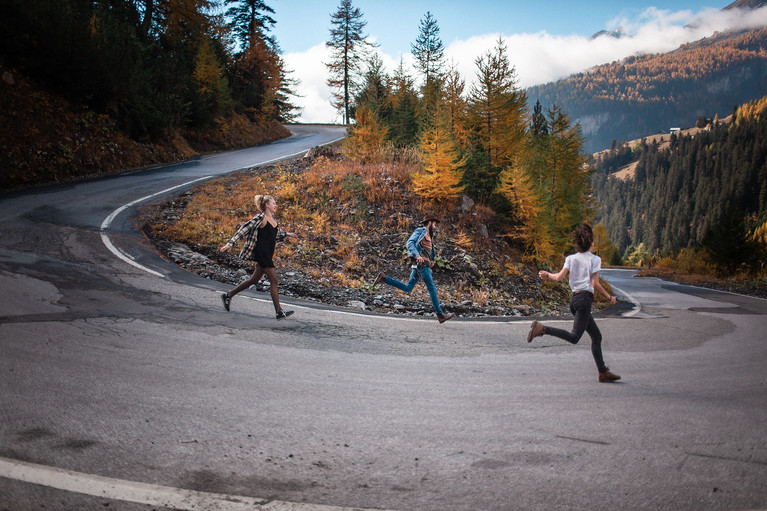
x,y
261,201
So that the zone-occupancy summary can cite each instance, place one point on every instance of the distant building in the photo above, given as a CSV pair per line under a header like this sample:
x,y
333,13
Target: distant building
x,y
675,130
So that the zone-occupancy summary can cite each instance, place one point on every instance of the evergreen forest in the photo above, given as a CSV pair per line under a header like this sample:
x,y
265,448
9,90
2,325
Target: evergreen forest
x,y
702,191
152,66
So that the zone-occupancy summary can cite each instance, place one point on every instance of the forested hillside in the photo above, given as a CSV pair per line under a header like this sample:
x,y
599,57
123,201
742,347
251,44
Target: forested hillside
x,y
686,194
650,93
85,79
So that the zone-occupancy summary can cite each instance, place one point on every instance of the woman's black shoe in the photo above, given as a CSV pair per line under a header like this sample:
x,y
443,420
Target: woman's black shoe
x,y
284,314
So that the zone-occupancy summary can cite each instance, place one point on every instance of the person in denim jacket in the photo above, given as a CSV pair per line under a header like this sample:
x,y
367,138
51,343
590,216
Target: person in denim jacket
x,y
420,246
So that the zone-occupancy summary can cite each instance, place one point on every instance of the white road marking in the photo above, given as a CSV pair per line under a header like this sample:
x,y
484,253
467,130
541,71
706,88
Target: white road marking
x,y
144,493
637,306
108,220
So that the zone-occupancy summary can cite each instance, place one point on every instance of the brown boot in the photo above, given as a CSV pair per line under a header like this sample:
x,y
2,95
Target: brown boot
x,y
444,317
536,330
380,279
607,376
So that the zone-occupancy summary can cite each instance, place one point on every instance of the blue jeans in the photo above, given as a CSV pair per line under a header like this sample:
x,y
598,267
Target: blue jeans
x,y
580,306
424,273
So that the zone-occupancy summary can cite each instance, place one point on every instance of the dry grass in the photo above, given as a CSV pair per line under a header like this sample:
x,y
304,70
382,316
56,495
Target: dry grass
x,y
351,221
327,206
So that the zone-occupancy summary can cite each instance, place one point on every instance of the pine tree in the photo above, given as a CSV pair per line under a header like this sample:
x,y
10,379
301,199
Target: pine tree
x,y
539,127
349,48
374,90
403,123
248,17
429,53
428,50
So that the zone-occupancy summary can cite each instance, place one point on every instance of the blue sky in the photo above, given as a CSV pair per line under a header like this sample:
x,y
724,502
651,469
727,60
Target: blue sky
x,y
546,40
394,23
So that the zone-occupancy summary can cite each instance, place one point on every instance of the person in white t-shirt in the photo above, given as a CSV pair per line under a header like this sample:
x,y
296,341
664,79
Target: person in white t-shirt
x,y
583,267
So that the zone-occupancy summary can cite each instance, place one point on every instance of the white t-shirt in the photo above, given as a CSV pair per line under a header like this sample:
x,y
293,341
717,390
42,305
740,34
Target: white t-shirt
x,y
581,267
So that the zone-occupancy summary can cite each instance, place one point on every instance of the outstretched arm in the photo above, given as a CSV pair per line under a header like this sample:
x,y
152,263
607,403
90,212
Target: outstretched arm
x,y
253,223
598,287
547,275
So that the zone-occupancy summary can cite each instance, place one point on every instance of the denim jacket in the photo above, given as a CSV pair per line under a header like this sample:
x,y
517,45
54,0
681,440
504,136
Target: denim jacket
x,y
414,244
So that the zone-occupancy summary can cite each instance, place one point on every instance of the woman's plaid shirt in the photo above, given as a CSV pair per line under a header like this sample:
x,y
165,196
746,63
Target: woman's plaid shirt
x,y
250,231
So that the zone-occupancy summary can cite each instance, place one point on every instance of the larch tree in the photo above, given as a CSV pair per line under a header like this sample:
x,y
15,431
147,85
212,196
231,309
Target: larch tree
x,y
497,114
455,103
366,137
213,95
567,190
348,50
261,81
438,181
257,74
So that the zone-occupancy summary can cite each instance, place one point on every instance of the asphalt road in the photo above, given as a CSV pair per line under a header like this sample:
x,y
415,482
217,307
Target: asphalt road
x,y
127,386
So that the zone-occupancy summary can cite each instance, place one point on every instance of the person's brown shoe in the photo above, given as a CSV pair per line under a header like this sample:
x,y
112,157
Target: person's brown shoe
x,y
444,317
536,330
607,376
380,279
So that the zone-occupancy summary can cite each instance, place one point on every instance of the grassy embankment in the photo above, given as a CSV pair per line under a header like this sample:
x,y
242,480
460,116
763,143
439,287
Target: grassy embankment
x,y
352,221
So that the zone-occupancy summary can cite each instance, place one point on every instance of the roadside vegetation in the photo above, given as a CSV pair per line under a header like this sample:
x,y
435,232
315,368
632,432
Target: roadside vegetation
x,y
694,206
352,220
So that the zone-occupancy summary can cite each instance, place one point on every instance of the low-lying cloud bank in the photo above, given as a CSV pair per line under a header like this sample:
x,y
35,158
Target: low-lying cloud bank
x,y
539,57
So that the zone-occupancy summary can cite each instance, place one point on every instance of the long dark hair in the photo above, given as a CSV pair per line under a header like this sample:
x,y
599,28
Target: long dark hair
x,y
583,238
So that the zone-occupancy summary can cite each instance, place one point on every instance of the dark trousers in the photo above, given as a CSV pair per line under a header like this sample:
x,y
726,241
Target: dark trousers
x,y
580,306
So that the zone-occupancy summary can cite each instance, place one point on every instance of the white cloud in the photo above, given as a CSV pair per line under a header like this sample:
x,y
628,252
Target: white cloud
x,y
541,57
314,94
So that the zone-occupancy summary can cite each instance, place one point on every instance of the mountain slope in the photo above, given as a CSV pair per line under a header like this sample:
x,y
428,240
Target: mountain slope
x,y
651,93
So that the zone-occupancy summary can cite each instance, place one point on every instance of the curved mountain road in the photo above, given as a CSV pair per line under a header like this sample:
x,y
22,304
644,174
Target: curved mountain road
x,y
123,388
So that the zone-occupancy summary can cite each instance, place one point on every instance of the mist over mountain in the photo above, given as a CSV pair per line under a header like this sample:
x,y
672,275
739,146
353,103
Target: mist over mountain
x,y
647,94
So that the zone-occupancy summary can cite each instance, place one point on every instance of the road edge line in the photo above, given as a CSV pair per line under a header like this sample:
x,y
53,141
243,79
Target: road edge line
x,y
145,493
109,219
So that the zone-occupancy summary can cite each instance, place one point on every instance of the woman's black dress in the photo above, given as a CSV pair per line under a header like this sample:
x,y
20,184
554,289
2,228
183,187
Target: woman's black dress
x,y
267,240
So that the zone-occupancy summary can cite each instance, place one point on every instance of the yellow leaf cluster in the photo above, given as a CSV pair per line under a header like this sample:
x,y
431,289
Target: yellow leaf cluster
x,y
438,181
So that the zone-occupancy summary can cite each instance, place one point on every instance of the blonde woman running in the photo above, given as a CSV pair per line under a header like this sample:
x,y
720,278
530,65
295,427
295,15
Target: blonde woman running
x,y
260,233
